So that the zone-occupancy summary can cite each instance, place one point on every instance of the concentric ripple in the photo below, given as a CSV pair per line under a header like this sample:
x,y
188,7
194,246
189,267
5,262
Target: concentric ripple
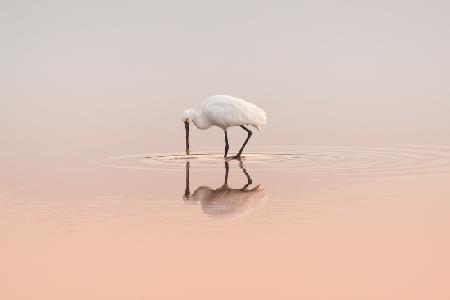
x,y
355,161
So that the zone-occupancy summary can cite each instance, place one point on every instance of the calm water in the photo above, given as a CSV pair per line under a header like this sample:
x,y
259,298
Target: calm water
x,y
284,222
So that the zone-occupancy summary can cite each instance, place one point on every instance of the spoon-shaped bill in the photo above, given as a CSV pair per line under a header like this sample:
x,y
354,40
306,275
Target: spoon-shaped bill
x,y
186,126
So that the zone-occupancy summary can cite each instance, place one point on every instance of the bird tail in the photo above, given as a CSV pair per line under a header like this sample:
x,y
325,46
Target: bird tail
x,y
262,119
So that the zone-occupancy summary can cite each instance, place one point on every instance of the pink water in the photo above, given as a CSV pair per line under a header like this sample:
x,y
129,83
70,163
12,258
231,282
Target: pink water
x,y
321,223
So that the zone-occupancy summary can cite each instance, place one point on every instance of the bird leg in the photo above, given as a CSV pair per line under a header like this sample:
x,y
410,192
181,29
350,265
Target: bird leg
x,y
238,155
249,179
226,144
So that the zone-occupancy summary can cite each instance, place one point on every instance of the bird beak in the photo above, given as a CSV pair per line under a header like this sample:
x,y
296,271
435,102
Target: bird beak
x,y
186,126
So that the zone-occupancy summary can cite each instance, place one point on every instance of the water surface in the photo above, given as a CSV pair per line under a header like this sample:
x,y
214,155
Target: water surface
x,y
283,222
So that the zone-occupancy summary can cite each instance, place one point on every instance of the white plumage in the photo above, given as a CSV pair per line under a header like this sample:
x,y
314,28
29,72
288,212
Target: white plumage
x,y
225,111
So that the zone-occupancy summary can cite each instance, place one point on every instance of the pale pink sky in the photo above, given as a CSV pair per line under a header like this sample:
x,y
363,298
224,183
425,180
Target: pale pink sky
x,y
119,74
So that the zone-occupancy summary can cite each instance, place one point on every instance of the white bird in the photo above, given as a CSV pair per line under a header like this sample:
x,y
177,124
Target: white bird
x,y
225,111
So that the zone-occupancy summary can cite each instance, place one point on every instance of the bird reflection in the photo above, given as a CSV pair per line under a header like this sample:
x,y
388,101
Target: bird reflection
x,y
226,202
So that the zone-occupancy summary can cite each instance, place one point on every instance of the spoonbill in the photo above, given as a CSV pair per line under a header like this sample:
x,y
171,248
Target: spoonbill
x,y
225,111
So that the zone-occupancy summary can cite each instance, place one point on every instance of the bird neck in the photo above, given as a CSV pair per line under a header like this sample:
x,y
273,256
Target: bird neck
x,y
200,122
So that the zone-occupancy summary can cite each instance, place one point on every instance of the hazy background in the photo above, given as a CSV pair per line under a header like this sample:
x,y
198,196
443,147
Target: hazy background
x,y
81,81
113,77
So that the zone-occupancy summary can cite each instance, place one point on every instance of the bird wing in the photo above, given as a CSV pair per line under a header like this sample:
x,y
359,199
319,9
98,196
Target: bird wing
x,y
230,111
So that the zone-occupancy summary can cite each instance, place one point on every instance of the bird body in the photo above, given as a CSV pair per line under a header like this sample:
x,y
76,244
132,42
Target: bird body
x,y
225,111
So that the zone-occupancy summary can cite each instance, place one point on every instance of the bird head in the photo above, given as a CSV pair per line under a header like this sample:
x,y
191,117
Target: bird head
x,y
189,115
